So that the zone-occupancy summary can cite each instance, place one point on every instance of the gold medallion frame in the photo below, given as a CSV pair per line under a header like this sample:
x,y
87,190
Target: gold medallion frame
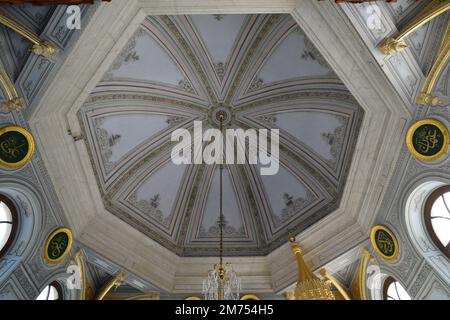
x,y
30,152
413,129
374,244
69,245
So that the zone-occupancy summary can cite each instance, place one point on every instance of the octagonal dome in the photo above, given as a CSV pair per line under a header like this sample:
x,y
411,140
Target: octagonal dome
x,y
178,69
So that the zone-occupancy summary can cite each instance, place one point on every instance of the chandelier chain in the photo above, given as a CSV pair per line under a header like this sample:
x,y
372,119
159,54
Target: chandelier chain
x,y
221,200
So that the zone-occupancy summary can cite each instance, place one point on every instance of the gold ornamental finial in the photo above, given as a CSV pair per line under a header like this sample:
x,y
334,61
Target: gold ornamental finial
x,y
309,286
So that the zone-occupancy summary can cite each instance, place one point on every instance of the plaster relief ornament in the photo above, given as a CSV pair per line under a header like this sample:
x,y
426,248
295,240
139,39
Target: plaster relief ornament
x,y
16,147
58,245
427,139
384,242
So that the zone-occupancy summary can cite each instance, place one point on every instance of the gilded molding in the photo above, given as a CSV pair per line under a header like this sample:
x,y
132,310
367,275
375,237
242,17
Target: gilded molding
x,y
342,290
40,46
78,259
57,246
114,283
425,97
396,43
422,157
14,102
358,290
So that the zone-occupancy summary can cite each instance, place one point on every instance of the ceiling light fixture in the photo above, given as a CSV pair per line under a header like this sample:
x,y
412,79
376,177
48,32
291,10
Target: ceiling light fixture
x,y
222,282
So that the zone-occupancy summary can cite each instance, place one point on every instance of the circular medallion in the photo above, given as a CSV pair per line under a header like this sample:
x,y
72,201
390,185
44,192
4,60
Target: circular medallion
x,y
58,245
427,139
384,242
16,147
221,113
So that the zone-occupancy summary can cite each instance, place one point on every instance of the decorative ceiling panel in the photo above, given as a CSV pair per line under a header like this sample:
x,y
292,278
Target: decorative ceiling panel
x,y
402,9
209,27
265,73
15,48
35,17
18,48
155,197
293,57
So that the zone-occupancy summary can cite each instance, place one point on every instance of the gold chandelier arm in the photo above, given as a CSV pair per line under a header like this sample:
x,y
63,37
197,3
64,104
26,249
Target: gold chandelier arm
x,y
359,291
40,46
309,286
343,291
78,258
114,283
304,273
396,43
14,102
425,97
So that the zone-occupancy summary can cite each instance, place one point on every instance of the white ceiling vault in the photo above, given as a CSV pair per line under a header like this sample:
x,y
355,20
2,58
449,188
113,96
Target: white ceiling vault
x,y
176,69
94,192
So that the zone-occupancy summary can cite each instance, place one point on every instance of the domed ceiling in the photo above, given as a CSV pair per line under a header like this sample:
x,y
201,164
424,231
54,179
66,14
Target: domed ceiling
x,y
267,74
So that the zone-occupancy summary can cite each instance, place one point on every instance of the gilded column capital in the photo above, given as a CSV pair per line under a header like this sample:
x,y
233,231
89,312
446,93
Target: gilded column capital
x,y
432,10
45,49
40,47
114,283
14,104
119,279
427,99
391,46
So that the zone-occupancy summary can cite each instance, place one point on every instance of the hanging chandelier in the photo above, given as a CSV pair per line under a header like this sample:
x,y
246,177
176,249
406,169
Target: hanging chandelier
x,y
222,282
309,286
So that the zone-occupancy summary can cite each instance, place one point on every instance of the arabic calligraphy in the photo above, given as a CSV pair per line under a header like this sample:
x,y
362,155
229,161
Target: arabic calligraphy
x,y
58,245
426,140
385,243
12,147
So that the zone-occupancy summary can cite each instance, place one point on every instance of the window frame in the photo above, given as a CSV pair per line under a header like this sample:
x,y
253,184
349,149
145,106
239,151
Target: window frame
x,y
14,224
55,284
387,283
427,217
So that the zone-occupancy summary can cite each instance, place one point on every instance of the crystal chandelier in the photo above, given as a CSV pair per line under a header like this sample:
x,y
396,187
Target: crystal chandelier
x,y
222,282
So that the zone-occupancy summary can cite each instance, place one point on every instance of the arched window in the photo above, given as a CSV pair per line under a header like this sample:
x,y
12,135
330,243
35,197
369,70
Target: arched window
x,y
53,291
393,290
8,224
437,218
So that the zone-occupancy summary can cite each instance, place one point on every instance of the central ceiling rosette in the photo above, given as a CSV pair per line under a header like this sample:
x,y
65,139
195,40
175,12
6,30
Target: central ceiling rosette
x,y
265,74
